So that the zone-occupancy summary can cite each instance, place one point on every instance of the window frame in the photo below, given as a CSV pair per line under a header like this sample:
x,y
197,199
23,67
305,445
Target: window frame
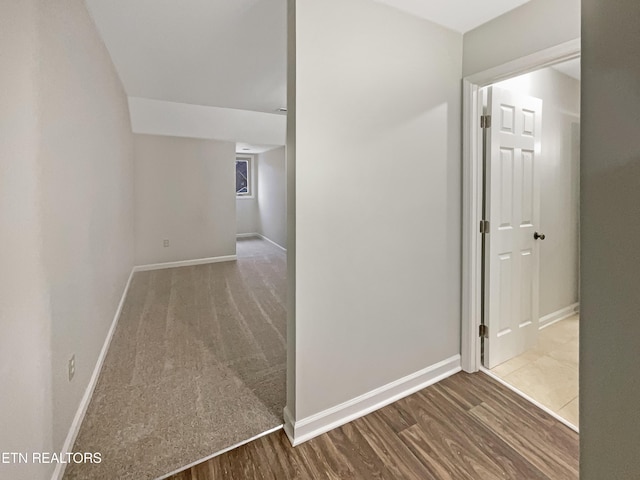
x,y
250,174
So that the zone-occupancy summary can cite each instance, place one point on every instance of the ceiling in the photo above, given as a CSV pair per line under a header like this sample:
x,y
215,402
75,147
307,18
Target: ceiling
x,y
223,53
570,68
229,53
458,15
252,148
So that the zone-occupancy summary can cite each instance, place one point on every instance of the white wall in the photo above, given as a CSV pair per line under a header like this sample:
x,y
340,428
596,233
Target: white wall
x,y
610,235
377,214
67,218
291,210
559,183
266,210
86,185
184,193
247,220
247,214
535,26
25,343
272,196
158,117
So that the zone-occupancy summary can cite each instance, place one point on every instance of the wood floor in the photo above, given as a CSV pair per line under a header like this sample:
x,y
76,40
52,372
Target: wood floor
x,y
465,427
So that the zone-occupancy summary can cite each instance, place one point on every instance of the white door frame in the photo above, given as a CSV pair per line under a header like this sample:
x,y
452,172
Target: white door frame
x,y
472,185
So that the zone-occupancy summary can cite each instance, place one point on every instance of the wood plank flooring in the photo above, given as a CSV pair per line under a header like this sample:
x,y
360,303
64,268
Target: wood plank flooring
x,y
464,427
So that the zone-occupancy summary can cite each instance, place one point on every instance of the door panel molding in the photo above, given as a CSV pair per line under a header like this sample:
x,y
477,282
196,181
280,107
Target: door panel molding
x,y
513,145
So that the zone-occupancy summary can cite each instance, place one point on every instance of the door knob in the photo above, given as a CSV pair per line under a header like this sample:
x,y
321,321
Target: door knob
x,y
537,236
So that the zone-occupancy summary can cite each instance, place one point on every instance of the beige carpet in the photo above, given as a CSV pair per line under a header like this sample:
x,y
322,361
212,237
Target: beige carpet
x,y
197,364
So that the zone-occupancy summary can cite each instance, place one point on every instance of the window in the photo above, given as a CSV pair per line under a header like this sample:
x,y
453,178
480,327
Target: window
x,y
243,177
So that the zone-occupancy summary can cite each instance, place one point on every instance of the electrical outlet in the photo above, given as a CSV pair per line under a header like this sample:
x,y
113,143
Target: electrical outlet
x,y
72,366
165,243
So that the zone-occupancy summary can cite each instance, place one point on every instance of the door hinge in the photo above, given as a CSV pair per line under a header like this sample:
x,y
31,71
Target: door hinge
x,y
485,121
484,226
483,331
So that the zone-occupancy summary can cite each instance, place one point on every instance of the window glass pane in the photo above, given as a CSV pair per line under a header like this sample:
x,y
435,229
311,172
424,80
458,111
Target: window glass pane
x,y
242,177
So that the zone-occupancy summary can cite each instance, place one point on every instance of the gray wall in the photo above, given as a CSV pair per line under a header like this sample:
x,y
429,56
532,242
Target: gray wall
x,y
559,183
66,217
377,220
272,196
535,26
610,235
185,193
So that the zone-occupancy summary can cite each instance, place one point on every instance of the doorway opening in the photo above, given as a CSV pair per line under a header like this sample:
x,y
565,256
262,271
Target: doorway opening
x,y
261,272
521,304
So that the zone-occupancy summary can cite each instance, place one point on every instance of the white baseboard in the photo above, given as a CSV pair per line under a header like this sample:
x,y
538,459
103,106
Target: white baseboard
x,y
558,315
58,473
307,428
259,235
288,425
529,399
272,242
184,263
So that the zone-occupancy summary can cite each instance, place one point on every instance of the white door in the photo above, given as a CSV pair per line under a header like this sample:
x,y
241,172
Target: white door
x,y
513,210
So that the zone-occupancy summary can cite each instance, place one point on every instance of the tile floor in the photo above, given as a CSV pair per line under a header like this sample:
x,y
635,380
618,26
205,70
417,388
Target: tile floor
x,y
549,372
